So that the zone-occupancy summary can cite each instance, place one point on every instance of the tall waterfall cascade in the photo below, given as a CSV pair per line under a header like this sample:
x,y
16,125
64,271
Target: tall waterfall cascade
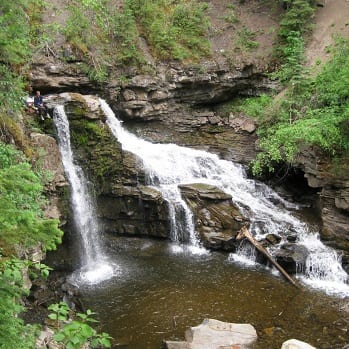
x,y
169,165
94,266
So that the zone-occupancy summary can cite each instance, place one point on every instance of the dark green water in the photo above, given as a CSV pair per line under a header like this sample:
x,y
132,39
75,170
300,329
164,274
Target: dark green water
x,y
159,293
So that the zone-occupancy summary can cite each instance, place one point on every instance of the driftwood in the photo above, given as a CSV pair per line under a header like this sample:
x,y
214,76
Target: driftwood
x,y
244,233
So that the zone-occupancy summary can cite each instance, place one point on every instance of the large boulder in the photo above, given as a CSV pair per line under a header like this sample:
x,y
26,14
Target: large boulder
x,y
217,219
216,334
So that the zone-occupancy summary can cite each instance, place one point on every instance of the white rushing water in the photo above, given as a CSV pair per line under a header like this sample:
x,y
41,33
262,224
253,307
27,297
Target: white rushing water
x,y
94,266
169,165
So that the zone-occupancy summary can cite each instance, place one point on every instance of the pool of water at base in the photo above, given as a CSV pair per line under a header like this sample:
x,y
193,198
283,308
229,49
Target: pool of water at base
x,y
161,289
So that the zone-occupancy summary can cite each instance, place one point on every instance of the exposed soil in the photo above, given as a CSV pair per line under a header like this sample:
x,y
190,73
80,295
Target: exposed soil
x,y
330,21
243,32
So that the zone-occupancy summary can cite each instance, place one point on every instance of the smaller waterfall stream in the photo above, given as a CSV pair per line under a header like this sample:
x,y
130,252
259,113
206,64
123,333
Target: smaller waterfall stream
x,y
169,165
94,266
161,164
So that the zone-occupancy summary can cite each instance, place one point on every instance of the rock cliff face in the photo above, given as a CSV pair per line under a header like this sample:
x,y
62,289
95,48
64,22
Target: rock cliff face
x,y
174,105
178,105
333,185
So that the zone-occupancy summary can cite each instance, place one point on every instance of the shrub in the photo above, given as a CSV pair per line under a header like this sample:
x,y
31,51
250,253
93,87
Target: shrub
x,y
21,202
14,333
174,30
74,334
315,114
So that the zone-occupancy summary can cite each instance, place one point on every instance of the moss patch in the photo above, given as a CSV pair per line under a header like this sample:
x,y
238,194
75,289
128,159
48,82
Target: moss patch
x,y
97,151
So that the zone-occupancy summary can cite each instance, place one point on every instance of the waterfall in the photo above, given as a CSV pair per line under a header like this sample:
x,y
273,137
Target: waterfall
x,y
161,165
94,266
169,165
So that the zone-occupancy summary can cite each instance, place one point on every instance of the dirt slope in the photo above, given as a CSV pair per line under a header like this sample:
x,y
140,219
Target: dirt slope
x,y
330,20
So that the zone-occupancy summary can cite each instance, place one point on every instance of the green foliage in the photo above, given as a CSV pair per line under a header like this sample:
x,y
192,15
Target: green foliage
x,y
314,112
11,90
14,333
296,18
231,17
295,24
14,36
246,39
9,156
175,30
42,268
17,21
125,36
21,220
292,68
332,85
254,106
75,333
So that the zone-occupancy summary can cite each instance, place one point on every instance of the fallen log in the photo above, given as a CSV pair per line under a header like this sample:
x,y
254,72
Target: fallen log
x,y
244,233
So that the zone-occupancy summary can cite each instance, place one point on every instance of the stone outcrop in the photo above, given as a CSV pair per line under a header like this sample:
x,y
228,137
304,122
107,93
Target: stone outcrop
x,y
179,101
333,185
125,204
180,104
134,211
217,219
174,103
161,97
216,334
54,76
49,157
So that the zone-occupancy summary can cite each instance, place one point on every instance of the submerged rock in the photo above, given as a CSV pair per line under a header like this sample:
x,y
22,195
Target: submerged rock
x,y
216,334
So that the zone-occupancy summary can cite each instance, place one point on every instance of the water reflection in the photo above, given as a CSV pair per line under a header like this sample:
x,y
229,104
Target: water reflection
x,y
160,292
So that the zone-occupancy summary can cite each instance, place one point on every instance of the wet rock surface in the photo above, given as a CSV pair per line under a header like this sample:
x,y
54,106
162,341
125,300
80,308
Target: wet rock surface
x,y
291,257
217,219
333,185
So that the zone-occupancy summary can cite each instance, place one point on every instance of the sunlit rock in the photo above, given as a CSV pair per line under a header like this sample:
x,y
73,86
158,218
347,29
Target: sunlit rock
x,y
216,334
296,344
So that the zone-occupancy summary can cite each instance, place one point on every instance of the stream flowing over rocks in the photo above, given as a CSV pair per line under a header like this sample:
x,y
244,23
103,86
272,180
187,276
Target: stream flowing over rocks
x,y
179,104
128,205
184,105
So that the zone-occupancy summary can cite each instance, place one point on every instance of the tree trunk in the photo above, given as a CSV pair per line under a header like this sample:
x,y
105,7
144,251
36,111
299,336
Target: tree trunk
x,y
244,233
